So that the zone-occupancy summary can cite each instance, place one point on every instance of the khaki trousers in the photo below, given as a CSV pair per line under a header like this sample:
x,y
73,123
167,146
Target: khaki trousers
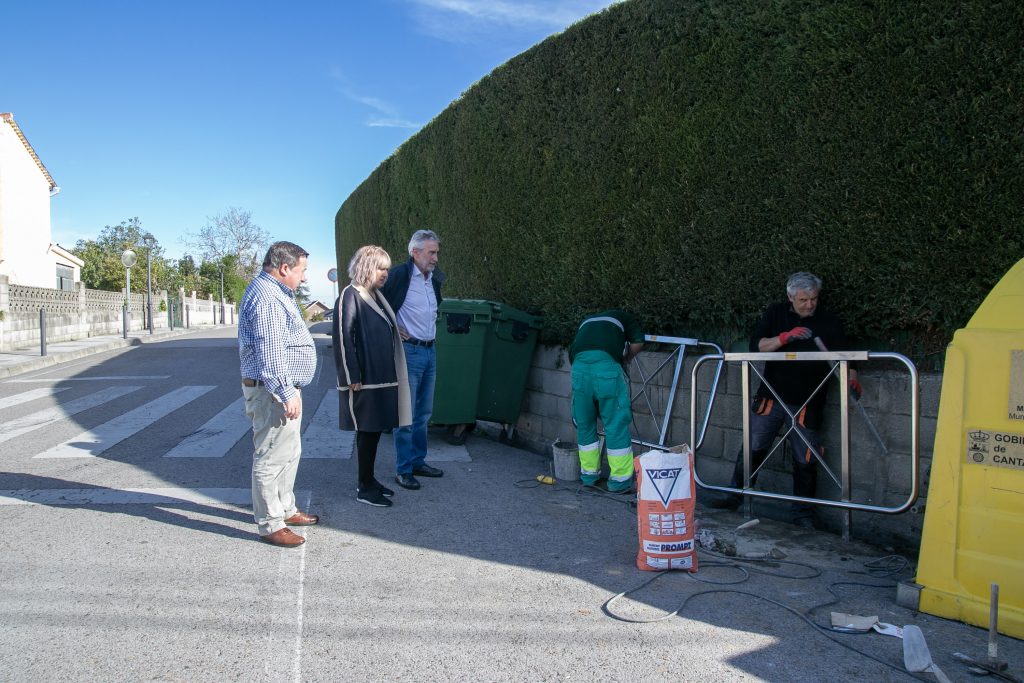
x,y
275,459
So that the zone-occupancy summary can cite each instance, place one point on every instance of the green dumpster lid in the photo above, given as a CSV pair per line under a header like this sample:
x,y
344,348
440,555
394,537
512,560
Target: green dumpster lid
x,y
505,312
498,310
465,306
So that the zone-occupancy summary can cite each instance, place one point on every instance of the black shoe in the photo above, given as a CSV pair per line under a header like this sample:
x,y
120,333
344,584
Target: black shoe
x,y
805,522
728,501
426,470
380,487
373,497
407,481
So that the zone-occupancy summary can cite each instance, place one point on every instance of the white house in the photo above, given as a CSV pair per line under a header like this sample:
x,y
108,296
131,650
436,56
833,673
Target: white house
x,y
316,307
27,254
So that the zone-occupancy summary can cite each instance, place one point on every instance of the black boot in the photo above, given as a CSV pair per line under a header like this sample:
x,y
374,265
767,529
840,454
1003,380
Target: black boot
x,y
757,458
731,501
805,485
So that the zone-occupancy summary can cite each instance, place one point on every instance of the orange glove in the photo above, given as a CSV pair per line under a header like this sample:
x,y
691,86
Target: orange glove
x,y
856,389
795,333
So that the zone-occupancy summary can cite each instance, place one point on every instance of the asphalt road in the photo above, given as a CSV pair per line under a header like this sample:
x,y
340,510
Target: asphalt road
x,y
128,552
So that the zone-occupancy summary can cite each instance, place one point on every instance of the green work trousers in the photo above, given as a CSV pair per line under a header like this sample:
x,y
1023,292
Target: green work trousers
x,y
599,388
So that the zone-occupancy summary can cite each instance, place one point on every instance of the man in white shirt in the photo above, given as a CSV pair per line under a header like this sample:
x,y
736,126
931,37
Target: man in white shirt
x,y
413,290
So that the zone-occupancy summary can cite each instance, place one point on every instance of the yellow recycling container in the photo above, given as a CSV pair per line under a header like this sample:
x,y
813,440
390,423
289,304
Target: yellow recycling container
x,y
974,518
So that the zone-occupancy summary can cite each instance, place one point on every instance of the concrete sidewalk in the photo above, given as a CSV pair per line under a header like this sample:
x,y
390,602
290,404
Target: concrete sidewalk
x,y
488,574
485,574
24,359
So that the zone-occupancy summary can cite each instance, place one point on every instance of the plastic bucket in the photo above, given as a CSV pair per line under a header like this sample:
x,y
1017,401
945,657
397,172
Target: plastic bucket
x,y
567,461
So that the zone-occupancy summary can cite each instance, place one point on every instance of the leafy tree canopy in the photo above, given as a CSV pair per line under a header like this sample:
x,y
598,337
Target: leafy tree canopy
x,y
232,233
103,268
210,272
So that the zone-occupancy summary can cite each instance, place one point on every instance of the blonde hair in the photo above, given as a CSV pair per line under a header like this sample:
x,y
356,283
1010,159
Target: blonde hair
x,y
365,262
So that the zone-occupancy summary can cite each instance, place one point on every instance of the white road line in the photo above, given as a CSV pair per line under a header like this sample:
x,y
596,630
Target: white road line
x,y
322,438
127,496
27,396
215,438
63,367
28,423
107,378
95,441
299,605
291,575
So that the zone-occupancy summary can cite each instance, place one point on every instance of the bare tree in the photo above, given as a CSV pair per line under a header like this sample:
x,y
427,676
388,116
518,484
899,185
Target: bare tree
x,y
231,233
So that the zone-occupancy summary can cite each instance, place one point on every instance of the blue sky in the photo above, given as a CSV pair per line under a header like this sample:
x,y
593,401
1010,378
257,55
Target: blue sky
x,y
176,111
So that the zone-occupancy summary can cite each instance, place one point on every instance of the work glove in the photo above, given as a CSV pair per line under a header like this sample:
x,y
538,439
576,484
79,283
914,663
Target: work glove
x,y
856,389
795,333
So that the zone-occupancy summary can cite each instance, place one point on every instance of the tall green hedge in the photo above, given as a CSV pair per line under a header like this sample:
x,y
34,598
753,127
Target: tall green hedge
x,y
680,158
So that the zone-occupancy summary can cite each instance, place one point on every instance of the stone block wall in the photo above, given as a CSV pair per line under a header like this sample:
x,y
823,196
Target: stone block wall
x,y
194,311
81,312
876,480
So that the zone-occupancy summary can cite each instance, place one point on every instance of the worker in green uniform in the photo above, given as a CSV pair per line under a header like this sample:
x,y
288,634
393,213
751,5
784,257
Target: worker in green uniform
x,y
605,343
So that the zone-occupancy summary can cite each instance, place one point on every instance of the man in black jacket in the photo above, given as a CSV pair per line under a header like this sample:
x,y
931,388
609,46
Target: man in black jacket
x,y
413,291
793,324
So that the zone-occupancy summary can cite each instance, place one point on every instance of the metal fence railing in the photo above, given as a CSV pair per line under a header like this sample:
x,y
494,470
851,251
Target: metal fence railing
x,y
840,361
676,360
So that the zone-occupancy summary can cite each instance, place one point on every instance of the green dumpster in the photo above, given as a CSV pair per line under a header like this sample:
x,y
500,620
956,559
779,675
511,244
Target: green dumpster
x,y
461,336
510,343
484,350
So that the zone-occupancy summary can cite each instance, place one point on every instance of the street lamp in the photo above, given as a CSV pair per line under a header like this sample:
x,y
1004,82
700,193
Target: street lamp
x,y
150,241
128,259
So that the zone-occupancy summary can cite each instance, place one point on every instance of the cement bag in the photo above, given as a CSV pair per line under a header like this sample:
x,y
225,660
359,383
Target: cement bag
x,y
664,510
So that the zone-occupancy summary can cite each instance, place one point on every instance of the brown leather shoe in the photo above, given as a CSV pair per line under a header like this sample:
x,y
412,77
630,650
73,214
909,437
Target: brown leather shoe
x,y
300,518
286,538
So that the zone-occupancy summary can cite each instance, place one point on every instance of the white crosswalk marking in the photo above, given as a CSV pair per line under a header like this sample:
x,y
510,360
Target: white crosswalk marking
x,y
21,425
27,396
322,438
102,496
95,441
215,438
132,378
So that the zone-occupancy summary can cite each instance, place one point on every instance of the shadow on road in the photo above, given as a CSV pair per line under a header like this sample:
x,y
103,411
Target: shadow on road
x,y
485,528
155,504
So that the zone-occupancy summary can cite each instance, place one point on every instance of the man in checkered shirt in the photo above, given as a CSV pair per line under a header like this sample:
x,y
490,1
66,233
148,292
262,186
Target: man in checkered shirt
x,y
278,359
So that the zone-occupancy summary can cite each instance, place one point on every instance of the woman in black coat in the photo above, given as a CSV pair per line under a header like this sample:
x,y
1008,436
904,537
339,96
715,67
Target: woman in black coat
x,y
371,368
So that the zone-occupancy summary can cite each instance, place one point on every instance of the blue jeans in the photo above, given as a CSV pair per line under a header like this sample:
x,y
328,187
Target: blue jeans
x,y
411,442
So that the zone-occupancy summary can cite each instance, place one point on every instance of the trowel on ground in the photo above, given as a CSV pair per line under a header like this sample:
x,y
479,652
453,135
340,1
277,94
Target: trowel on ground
x,y
916,656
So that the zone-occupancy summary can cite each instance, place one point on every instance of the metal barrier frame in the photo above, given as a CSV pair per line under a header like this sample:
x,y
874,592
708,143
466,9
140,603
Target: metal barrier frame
x,y
679,354
840,365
